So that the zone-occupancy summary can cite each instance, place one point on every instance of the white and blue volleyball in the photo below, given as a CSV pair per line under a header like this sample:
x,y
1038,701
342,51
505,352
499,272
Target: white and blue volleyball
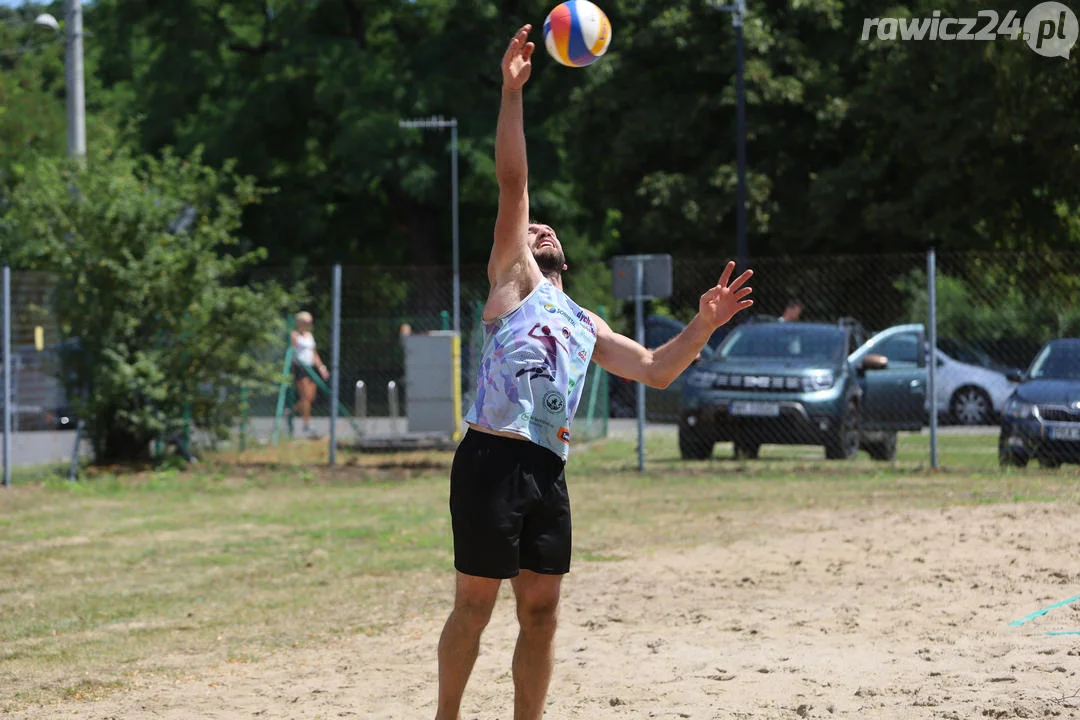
x,y
576,33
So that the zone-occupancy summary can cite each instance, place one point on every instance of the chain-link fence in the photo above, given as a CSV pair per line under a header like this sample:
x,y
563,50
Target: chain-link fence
x,y
834,355
1003,354
382,310
830,362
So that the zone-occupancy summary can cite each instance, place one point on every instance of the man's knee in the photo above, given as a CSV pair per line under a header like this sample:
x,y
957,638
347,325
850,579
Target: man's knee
x,y
540,616
473,610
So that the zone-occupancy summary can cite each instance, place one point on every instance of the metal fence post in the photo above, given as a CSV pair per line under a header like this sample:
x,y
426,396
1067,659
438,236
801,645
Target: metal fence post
x,y
639,321
335,357
931,321
7,376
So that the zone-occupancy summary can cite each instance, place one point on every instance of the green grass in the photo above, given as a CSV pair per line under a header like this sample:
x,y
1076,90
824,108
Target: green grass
x,y
123,574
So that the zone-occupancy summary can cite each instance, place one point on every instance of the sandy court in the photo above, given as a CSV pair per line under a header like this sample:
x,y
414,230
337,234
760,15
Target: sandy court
x,y
865,613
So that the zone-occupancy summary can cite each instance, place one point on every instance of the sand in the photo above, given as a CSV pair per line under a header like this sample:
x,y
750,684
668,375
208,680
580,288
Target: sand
x,y
867,613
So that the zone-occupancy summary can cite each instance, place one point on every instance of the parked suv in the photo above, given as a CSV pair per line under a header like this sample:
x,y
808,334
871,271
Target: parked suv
x,y
797,383
1042,417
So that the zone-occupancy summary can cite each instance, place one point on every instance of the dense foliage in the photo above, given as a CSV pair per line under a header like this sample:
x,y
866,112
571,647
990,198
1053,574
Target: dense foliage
x,y
853,146
142,253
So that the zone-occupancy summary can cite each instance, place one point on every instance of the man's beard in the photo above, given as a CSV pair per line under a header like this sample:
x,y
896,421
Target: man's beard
x,y
550,260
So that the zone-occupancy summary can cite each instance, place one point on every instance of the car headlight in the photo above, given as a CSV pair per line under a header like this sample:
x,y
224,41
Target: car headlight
x,y
701,379
818,381
1018,409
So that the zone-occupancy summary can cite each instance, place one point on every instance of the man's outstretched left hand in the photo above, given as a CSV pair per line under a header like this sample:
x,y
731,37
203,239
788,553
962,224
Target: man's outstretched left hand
x,y
722,302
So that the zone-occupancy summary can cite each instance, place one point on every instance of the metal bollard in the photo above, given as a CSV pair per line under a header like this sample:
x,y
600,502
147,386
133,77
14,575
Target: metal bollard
x,y
395,410
360,407
360,410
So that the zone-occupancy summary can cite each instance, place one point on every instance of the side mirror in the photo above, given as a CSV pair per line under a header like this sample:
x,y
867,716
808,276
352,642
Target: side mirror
x,y
1015,376
873,361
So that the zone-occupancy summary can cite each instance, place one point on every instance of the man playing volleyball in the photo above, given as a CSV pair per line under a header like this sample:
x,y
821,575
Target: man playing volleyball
x,y
508,499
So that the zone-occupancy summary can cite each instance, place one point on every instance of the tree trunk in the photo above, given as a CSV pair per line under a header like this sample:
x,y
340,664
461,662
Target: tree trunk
x,y
115,445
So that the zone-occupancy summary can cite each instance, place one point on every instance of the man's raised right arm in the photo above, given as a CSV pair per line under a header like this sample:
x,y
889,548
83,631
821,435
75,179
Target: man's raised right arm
x,y
511,165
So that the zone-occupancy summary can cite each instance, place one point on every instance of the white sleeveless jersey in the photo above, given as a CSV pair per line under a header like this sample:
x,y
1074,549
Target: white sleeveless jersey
x,y
532,369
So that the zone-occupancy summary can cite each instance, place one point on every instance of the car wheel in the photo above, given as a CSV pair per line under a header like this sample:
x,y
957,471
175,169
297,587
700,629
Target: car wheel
x,y
1010,458
883,449
747,449
971,406
693,445
843,443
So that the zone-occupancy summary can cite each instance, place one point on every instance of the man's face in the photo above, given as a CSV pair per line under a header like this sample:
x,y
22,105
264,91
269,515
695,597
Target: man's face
x,y
546,248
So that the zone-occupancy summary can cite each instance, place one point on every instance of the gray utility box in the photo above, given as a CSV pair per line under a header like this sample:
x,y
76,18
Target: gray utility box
x,y
433,382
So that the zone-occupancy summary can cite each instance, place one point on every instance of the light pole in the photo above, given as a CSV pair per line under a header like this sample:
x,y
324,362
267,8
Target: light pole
x,y
438,123
738,11
74,75
76,93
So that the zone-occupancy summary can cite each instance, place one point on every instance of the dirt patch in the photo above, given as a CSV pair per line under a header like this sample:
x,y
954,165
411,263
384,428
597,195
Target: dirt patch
x,y
867,613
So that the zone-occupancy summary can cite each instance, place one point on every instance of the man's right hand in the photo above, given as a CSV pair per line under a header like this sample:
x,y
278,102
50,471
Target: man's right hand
x,y
517,62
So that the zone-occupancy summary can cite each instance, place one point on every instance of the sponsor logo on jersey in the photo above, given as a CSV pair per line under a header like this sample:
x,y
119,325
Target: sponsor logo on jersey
x,y
584,317
555,310
554,402
564,435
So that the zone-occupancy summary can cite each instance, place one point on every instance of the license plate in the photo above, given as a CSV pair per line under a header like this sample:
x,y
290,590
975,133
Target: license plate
x,y
755,409
1064,432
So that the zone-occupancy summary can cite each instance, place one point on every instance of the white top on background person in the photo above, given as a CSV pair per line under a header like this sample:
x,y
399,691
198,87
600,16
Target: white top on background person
x,y
305,348
509,505
303,342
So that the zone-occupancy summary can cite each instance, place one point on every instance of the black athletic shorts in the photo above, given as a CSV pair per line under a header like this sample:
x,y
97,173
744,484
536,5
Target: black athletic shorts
x,y
509,508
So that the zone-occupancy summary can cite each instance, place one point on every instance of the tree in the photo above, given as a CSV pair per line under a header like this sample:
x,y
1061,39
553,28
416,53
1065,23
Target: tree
x,y
31,93
306,97
144,255
854,146
1006,304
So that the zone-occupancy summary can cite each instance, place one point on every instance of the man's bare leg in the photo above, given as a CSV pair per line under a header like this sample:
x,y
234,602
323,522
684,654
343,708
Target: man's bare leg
x,y
534,657
474,599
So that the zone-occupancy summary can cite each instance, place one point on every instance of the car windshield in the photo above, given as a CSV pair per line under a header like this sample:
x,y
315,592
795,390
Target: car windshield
x,y
789,342
1058,361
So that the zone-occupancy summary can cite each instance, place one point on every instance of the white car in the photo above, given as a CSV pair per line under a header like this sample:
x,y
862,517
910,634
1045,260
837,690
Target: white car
x,y
971,389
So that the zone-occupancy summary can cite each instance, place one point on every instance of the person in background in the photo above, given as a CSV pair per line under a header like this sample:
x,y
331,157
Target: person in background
x,y
305,357
793,311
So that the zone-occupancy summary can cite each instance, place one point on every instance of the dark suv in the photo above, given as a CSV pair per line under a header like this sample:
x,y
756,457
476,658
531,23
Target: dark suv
x,y
803,384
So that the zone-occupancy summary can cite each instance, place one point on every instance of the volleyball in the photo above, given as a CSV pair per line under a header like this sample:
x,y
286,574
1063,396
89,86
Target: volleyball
x,y
576,33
